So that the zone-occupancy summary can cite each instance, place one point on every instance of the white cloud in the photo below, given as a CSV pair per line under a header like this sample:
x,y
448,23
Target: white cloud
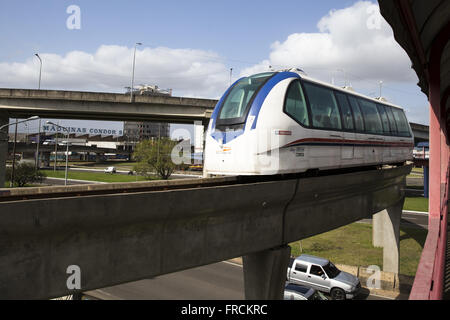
x,y
356,40
353,44
188,72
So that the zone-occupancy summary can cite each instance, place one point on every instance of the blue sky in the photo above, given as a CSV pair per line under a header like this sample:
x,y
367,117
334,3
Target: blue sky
x,y
191,45
222,26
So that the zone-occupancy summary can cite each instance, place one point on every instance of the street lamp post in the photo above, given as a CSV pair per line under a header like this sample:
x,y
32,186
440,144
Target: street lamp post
x,y
67,148
40,70
132,76
14,146
231,74
11,184
38,141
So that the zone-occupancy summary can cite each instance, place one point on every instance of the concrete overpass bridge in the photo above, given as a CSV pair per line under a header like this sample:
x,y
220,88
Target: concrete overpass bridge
x,y
421,132
119,233
24,103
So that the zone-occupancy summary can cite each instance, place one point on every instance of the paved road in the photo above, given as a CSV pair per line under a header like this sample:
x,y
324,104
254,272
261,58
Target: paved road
x,y
173,176
219,281
409,219
60,182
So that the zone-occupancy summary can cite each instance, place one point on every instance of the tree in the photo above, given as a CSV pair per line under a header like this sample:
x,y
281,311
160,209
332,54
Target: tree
x,y
25,173
155,157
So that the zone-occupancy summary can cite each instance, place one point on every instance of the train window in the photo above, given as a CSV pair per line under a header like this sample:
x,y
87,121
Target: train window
x,y
295,104
372,119
347,116
384,119
359,121
324,109
402,123
391,119
236,104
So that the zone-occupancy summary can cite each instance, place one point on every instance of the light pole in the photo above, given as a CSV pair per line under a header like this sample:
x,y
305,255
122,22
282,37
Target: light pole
x,y
67,148
132,76
14,147
10,124
40,70
231,74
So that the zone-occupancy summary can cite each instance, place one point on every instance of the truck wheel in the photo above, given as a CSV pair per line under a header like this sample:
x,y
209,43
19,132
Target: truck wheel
x,y
337,294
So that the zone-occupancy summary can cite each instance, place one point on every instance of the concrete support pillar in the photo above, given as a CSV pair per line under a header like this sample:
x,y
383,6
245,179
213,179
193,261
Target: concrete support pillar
x,y
386,234
265,273
205,124
4,119
391,234
377,229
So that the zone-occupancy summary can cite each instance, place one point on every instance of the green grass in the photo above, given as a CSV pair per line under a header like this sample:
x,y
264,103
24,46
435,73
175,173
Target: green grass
x,y
26,185
417,170
352,245
95,176
416,204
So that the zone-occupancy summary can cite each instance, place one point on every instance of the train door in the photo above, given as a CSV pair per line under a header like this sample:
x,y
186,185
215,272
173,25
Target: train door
x,y
387,155
393,133
359,136
348,133
375,140
325,147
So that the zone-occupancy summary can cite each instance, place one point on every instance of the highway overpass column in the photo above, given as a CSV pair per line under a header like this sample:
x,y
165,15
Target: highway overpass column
x,y
265,273
377,229
386,234
4,119
391,232
205,130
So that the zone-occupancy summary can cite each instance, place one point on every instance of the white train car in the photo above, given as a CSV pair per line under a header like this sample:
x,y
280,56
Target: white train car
x,y
286,122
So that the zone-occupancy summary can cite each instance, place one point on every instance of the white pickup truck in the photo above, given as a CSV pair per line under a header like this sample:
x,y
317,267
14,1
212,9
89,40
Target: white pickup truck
x,y
110,170
322,275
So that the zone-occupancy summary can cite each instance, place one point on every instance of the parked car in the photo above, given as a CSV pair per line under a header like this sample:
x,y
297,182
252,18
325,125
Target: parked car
x,y
322,275
297,292
110,170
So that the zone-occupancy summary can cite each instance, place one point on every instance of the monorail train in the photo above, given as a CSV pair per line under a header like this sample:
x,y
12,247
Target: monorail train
x,y
286,122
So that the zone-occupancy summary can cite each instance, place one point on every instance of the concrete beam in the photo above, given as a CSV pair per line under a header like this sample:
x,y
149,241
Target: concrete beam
x,y
4,119
265,273
341,200
125,237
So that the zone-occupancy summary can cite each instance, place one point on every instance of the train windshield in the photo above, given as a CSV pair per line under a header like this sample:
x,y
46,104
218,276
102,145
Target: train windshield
x,y
236,105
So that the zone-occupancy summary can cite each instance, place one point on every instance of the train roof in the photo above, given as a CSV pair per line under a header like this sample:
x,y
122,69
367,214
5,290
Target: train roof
x,y
303,75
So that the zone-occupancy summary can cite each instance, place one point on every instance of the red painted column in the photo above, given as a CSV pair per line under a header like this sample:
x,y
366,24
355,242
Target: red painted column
x,y
439,160
435,143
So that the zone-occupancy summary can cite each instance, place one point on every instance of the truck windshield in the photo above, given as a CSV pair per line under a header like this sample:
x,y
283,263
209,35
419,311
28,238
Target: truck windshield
x,y
237,103
331,270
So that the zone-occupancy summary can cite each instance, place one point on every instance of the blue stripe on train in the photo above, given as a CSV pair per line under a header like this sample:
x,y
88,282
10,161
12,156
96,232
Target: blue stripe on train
x,y
254,109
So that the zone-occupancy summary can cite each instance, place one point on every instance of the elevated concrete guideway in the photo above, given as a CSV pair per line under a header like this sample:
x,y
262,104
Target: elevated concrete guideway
x,y
24,103
121,237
